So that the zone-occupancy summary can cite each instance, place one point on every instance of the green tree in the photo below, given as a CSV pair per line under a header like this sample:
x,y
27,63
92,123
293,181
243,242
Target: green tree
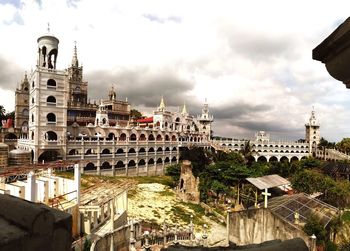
x,y
325,144
344,145
310,163
174,172
135,114
218,187
314,226
260,168
311,181
198,157
246,152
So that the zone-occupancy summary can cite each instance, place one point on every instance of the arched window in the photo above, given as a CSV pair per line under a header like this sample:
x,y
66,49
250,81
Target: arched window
x,y
32,117
25,112
51,100
50,135
142,137
32,136
133,137
122,137
51,118
51,83
33,101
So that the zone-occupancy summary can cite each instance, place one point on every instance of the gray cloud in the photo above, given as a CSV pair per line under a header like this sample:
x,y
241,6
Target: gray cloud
x,y
259,46
10,74
238,110
141,86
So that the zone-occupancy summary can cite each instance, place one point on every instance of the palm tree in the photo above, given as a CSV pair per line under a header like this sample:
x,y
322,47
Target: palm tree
x,y
246,151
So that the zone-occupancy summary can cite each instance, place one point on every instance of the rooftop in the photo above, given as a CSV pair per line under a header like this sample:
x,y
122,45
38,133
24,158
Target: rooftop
x,y
268,181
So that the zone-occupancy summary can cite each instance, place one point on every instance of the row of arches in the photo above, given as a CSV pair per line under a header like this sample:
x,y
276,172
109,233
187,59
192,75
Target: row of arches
x,y
278,158
130,164
121,150
281,151
134,137
266,146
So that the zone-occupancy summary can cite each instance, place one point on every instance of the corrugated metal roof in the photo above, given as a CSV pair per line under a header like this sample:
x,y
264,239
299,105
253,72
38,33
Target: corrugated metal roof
x,y
268,181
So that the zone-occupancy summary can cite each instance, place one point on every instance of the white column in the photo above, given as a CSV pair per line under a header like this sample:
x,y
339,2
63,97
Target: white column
x,y
31,187
77,177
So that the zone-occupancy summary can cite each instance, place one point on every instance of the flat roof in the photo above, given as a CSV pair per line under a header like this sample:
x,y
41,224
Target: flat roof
x,y
268,181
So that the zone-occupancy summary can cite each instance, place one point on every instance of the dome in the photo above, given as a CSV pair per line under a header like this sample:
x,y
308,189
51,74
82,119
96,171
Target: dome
x,y
19,151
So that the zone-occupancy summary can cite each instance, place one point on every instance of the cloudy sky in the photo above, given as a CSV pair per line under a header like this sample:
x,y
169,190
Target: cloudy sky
x,y
250,59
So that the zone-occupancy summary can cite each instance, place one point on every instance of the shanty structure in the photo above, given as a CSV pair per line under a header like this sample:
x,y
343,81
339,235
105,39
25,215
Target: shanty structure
x,y
266,182
337,170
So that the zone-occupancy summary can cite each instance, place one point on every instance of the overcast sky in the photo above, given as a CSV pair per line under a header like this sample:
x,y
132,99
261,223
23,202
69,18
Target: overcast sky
x,y
250,59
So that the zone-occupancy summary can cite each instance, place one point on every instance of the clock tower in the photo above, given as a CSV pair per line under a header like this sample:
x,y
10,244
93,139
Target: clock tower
x,y
312,132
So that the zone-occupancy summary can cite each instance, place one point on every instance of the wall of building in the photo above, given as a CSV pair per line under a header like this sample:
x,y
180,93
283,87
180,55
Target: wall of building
x,y
255,226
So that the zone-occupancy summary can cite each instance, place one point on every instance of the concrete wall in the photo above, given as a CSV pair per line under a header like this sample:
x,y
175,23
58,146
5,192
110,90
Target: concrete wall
x,y
259,225
121,236
30,226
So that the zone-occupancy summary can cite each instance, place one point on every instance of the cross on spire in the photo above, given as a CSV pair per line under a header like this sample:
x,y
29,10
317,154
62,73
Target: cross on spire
x,y
48,27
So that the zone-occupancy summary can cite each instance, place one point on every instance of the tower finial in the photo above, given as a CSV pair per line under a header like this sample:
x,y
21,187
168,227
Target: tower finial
x,y
48,27
75,55
184,109
161,105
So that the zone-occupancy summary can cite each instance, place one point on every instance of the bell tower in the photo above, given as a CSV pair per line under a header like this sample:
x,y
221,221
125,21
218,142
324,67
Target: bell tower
x,y
205,120
47,50
312,135
48,93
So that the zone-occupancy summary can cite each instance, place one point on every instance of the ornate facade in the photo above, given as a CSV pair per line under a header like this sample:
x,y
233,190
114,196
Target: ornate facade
x,y
63,124
264,149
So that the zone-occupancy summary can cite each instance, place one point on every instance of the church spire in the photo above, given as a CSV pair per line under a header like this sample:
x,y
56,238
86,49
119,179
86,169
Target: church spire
x,y
75,56
161,105
184,109
25,82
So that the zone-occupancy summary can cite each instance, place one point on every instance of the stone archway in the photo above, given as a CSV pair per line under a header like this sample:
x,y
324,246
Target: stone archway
x,y
90,166
273,159
284,159
49,155
262,159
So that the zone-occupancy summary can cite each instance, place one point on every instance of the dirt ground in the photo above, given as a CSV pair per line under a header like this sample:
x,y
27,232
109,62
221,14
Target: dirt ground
x,y
156,203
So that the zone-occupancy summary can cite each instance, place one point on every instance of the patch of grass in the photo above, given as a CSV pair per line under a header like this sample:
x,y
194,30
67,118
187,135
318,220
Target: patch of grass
x,y
346,216
65,174
179,212
155,213
166,193
195,207
131,193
